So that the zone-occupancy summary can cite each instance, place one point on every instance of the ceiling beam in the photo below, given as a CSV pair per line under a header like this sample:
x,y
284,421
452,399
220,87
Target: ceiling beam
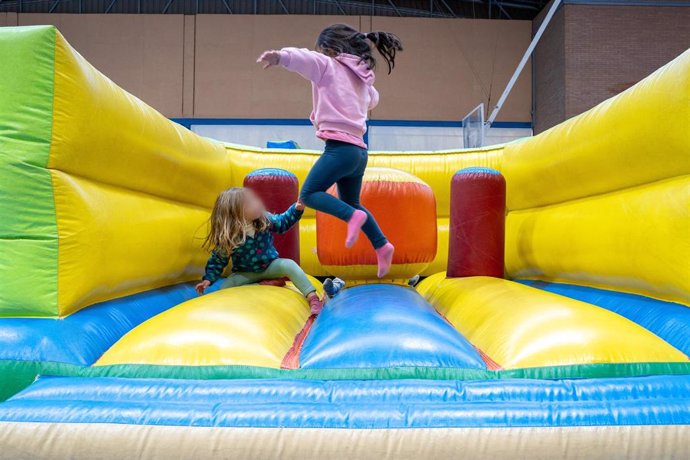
x,y
415,12
394,7
337,3
110,7
282,4
519,5
500,7
450,10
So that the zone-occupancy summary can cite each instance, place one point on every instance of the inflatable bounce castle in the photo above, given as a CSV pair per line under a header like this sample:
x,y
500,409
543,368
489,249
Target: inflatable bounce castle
x,y
552,321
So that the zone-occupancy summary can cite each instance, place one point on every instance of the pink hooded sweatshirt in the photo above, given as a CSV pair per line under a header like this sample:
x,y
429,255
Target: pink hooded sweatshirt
x,y
342,90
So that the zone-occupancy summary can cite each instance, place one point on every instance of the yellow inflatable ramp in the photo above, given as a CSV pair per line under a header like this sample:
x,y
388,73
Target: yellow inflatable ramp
x,y
247,325
518,326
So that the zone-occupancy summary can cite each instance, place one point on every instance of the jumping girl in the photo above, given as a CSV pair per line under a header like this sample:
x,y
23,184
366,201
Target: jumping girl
x,y
242,230
342,77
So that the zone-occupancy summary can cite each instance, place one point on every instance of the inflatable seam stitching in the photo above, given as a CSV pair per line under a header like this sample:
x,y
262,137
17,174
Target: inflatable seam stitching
x,y
56,261
598,195
384,153
131,190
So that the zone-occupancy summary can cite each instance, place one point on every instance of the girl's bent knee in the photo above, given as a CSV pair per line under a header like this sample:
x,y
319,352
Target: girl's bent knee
x,y
306,198
290,265
285,266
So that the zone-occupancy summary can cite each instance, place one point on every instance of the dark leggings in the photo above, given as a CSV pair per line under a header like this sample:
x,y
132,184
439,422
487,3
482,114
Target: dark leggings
x,y
342,164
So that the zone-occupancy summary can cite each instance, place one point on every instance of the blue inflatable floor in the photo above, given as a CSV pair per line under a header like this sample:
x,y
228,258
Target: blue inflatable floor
x,y
82,337
658,400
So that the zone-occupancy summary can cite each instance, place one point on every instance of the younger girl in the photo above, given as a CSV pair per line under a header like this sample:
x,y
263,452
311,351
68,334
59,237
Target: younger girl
x,y
342,78
242,230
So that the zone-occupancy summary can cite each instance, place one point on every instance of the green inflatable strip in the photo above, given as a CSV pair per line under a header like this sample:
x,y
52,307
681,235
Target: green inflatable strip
x,y
430,373
17,375
593,371
28,229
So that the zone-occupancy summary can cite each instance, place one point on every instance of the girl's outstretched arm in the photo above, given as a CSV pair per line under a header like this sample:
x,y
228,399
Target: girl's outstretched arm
x,y
310,64
281,223
215,266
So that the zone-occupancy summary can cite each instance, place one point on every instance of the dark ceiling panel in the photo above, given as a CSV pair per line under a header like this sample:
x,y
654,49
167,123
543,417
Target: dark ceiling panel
x,y
496,9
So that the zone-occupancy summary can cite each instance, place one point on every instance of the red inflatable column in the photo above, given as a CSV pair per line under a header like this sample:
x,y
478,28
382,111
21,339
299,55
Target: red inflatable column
x,y
477,223
278,189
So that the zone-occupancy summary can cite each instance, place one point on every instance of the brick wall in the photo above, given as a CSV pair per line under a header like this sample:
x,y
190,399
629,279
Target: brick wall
x,y
610,48
594,52
549,73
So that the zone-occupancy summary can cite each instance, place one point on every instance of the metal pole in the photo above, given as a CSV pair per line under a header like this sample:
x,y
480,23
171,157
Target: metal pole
x,y
167,6
523,61
110,7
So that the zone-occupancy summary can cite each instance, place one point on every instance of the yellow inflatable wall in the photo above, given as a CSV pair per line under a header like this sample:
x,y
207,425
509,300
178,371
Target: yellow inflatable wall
x,y
601,199
604,198
132,192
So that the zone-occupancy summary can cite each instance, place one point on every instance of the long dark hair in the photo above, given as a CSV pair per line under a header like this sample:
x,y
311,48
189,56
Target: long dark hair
x,y
341,38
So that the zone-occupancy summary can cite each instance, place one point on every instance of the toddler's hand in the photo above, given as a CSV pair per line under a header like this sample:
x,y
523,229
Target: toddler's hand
x,y
299,206
201,287
269,58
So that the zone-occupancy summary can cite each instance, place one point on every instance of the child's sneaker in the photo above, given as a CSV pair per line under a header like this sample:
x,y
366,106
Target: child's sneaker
x,y
315,303
332,286
278,282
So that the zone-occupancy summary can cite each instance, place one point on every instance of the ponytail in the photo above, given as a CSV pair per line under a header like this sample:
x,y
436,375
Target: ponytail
x,y
387,45
341,38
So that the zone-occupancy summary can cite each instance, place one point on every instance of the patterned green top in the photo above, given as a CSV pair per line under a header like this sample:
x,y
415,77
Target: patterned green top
x,y
257,252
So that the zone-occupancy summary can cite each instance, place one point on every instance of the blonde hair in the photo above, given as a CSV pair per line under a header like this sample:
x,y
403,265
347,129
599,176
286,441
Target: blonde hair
x,y
228,224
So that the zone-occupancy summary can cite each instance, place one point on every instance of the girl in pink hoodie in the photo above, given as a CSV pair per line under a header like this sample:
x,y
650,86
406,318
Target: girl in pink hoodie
x,y
342,79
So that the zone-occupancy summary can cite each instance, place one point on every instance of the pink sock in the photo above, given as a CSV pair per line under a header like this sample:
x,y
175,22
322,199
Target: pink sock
x,y
384,257
315,304
354,225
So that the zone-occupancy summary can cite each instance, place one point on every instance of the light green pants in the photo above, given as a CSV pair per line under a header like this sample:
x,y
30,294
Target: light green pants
x,y
279,268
